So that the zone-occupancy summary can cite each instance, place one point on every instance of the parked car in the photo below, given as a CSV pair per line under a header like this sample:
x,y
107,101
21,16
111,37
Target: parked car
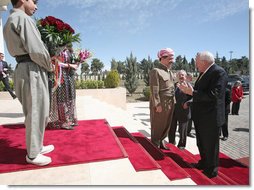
x,y
243,78
246,83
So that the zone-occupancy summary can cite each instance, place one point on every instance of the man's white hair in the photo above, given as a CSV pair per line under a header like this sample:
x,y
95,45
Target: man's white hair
x,y
182,71
206,56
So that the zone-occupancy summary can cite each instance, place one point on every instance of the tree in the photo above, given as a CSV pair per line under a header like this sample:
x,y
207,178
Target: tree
x,y
96,66
146,67
131,80
114,64
85,69
178,63
224,64
193,66
121,67
156,63
185,64
245,65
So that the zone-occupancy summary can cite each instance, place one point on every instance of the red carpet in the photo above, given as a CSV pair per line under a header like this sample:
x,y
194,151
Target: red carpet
x,y
168,166
92,140
233,171
139,158
186,161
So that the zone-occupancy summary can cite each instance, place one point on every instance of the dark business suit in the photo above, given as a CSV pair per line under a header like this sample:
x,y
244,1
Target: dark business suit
x,y
182,116
224,127
4,78
208,114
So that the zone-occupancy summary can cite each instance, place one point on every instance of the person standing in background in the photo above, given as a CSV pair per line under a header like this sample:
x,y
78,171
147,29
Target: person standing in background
x,y
4,75
162,98
237,96
24,42
224,127
182,113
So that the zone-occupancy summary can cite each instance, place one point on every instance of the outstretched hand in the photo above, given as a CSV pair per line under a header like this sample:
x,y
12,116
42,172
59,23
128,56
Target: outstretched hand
x,y
186,88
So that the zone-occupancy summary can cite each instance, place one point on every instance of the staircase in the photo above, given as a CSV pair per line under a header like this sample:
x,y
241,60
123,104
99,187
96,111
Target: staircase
x,y
175,164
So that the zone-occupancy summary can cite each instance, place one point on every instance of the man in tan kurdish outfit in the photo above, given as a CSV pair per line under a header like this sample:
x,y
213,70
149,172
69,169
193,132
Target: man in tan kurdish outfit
x,y
24,42
162,98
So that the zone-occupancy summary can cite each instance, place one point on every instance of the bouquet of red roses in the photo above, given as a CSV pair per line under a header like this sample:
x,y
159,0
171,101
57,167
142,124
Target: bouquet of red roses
x,y
56,34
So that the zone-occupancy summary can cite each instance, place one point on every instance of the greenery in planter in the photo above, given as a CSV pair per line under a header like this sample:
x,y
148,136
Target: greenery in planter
x,y
112,80
1,86
89,84
11,83
147,92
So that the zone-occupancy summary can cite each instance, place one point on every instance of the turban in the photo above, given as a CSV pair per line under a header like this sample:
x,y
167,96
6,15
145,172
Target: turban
x,y
165,52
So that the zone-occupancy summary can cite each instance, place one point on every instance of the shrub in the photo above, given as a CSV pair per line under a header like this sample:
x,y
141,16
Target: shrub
x,y
90,84
147,92
1,86
100,83
112,80
78,84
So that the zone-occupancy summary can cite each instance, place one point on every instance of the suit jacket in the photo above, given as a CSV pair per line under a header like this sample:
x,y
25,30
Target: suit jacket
x,y
208,106
227,100
5,66
181,114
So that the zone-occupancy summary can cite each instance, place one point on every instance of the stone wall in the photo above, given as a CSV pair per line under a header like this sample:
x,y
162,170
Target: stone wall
x,y
113,96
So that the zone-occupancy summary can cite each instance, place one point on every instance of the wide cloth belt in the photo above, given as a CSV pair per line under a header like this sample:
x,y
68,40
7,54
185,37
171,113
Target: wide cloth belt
x,y
23,58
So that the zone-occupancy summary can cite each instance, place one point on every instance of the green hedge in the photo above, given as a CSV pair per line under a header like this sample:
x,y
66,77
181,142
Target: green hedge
x,y
2,85
89,84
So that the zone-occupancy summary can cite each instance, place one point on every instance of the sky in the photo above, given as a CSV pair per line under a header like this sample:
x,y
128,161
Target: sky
x,y
113,29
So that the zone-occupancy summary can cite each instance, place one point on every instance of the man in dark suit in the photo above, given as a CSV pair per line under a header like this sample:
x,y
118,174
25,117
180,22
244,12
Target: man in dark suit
x,y
224,127
4,75
182,114
208,110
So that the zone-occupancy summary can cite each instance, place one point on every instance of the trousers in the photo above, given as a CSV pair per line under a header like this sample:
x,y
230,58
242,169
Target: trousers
x,y
31,87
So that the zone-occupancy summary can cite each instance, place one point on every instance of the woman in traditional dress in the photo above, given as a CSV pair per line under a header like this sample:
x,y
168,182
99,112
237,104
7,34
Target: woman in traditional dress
x,y
63,94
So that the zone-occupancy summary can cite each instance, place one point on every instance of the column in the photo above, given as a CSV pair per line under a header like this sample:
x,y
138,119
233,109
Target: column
x,y
2,9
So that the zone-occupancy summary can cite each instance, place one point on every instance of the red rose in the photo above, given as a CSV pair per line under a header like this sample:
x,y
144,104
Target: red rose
x,y
69,28
60,26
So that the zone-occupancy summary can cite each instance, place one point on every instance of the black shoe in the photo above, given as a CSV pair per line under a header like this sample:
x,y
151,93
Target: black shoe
x,y
198,166
163,146
224,138
210,174
191,135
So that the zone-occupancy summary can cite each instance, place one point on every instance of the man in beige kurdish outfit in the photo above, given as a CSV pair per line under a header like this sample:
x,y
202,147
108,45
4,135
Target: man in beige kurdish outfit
x,y
24,42
162,98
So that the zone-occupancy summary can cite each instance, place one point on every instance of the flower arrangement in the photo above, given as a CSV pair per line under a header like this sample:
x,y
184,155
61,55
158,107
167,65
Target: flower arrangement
x,y
56,34
81,56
